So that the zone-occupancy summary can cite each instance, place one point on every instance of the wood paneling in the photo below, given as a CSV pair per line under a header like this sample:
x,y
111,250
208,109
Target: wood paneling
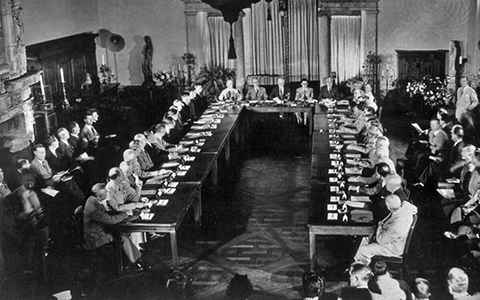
x,y
418,64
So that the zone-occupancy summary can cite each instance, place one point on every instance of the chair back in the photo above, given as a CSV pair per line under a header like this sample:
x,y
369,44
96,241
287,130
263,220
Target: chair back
x,y
410,234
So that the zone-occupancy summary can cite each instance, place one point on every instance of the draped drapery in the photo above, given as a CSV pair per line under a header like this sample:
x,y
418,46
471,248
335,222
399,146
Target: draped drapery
x,y
219,31
345,48
303,36
264,41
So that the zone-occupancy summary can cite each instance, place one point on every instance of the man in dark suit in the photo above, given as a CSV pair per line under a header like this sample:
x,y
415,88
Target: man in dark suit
x,y
304,92
280,92
95,220
256,92
329,91
455,161
74,139
53,157
89,135
199,101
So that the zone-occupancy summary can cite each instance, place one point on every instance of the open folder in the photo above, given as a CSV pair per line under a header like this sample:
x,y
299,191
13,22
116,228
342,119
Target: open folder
x,y
446,193
417,128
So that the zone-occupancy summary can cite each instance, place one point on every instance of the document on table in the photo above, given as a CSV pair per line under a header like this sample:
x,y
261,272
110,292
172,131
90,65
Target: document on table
x,y
50,192
146,216
360,198
417,128
353,171
356,204
354,179
332,216
146,193
446,193
162,202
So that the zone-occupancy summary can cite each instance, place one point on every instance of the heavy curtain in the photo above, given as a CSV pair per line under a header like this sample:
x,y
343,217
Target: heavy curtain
x,y
219,31
264,43
303,35
345,46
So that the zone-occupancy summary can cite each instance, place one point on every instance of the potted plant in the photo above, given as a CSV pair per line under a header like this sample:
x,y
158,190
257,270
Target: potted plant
x,y
214,80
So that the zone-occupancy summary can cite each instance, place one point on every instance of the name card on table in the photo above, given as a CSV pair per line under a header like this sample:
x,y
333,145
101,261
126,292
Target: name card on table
x,y
332,207
184,168
335,156
353,155
332,171
334,163
334,188
195,149
146,216
333,179
162,202
173,184
169,191
332,216
181,173
217,121
334,198
360,198
188,158
213,126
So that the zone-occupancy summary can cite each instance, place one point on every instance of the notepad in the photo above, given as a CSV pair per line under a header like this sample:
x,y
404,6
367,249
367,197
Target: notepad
x,y
360,198
446,193
162,202
147,193
355,204
50,192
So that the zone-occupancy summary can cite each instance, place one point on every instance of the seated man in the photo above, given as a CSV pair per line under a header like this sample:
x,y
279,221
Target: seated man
x,y
95,220
458,282
314,287
455,161
230,93
256,92
55,160
360,275
199,101
89,135
391,234
74,139
64,184
120,195
280,92
328,91
382,170
67,150
304,92
143,157
421,289
382,285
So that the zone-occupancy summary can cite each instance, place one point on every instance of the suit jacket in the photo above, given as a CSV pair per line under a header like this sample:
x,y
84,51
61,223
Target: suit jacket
x,y
456,153
66,149
300,94
144,160
44,171
286,95
438,140
95,218
75,143
55,162
89,135
332,94
200,103
260,94
392,232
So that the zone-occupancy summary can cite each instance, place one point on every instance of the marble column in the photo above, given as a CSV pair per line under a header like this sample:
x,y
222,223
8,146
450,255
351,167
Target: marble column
x,y
203,40
324,46
239,49
192,34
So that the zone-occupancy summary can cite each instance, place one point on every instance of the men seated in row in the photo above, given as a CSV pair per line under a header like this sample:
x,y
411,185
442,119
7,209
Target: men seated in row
x,y
96,219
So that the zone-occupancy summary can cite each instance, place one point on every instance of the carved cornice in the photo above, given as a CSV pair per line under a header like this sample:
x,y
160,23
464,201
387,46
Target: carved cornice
x,y
350,7
192,7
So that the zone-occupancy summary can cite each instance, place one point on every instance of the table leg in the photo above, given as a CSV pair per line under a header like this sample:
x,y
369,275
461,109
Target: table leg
x,y
227,153
173,243
310,126
197,209
215,174
312,251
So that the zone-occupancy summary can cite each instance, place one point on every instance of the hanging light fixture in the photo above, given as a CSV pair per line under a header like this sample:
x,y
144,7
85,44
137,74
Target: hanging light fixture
x,y
231,46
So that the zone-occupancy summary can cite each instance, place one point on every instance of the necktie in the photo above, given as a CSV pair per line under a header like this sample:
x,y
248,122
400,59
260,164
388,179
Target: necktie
x,y
281,91
94,131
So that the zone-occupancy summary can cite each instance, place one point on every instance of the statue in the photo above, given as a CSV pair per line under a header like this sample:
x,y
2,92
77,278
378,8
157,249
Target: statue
x,y
147,53
452,70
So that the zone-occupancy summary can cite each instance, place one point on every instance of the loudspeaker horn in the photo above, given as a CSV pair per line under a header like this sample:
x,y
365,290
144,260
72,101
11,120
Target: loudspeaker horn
x,y
115,43
103,37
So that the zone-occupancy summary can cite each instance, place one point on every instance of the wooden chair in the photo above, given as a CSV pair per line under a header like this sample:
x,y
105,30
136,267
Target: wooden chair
x,y
402,262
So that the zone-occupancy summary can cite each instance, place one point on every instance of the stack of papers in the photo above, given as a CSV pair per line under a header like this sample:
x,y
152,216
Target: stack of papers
x,y
446,193
356,204
147,193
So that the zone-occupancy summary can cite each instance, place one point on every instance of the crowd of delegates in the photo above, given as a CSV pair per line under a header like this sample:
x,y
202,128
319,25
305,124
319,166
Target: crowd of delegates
x,y
45,193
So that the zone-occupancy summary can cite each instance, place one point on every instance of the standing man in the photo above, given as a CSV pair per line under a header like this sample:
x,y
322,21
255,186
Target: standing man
x,y
256,92
89,135
280,92
328,91
467,100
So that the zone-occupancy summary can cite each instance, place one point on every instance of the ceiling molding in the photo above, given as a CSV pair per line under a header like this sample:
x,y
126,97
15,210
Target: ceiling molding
x,y
346,7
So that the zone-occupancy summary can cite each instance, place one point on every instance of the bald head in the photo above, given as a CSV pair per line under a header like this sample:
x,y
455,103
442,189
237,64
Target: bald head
x,y
457,281
393,182
393,202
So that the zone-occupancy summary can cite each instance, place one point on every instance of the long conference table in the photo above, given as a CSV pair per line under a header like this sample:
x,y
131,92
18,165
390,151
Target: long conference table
x,y
211,135
209,140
